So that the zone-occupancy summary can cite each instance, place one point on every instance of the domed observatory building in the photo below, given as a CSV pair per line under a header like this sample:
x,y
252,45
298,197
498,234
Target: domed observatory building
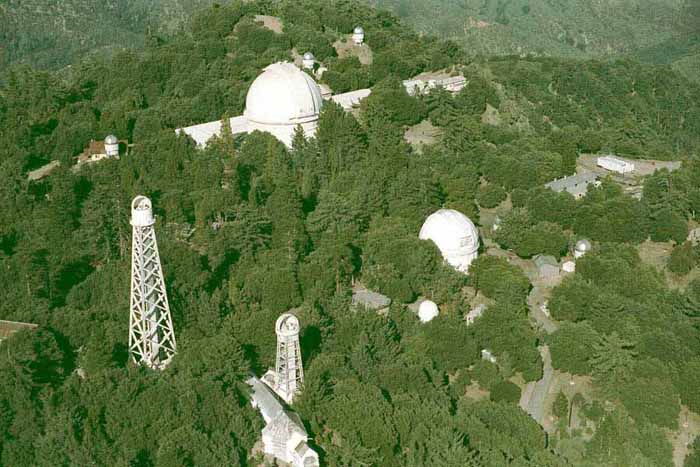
x,y
281,98
582,247
455,236
427,310
308,61
358,35
111,146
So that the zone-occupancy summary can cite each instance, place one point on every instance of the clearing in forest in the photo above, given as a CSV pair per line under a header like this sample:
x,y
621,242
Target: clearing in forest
x,y
347,48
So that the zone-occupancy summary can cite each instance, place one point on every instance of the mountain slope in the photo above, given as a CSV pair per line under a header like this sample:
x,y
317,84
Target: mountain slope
x,y
573,28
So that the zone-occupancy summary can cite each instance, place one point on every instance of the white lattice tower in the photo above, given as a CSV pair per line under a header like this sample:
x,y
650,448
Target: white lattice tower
x,y
288,370
151,334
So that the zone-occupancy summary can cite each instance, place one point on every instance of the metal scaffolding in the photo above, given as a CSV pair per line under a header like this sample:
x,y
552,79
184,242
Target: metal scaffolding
x,y
151,333
289,373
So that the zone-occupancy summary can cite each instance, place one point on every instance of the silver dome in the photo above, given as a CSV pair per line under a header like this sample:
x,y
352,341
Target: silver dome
x,y
309,56
111,139
358,30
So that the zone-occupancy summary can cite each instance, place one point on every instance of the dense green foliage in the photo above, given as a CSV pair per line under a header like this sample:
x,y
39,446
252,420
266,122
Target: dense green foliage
x,y
248,229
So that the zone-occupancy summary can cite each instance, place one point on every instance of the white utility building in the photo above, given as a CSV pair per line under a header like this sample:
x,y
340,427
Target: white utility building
x,y
568,266
427,310
475,313
615,164
358,35
308,61
284,436
455,236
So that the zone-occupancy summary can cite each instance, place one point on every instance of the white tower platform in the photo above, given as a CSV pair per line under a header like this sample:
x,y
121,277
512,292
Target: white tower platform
x,y
151,334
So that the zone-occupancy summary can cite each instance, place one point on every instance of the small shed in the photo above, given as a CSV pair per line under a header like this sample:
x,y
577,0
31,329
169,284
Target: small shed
x,y
369,300
577,184
547,267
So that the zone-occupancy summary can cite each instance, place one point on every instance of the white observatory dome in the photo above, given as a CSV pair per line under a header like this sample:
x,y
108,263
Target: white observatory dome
x,y
142,212
455,236
308,61
358,35
111,146
281,98
582,247
427,310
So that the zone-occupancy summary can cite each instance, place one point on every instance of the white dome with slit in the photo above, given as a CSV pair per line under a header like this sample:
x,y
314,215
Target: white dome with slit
x,y
427,310
281,98
455,236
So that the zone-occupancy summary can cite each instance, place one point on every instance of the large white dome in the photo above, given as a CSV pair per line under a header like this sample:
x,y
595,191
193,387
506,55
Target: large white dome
x,y
281,98
455,236
427,310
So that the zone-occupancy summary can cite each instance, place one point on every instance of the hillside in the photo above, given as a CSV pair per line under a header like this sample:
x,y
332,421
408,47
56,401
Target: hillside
x,y
54,34
595,366
574,28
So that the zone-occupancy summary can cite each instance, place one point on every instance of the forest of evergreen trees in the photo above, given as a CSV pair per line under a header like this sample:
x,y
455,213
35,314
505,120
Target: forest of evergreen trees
x,y
249,229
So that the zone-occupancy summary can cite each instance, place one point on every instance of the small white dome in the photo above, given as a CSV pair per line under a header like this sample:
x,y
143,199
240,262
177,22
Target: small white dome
x,y
111,139
427,310
455,236
309,56
358,30
283,95
568,266
583,245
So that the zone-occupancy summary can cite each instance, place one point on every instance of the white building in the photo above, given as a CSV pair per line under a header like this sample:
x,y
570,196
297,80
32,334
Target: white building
x,y
358,35
284,436
455,236
568,267
615,164
308,61
487,355
475,313
427,310
420,86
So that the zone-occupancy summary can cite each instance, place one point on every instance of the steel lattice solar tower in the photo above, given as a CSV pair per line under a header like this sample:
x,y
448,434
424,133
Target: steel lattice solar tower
x,y
151,334
288,369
